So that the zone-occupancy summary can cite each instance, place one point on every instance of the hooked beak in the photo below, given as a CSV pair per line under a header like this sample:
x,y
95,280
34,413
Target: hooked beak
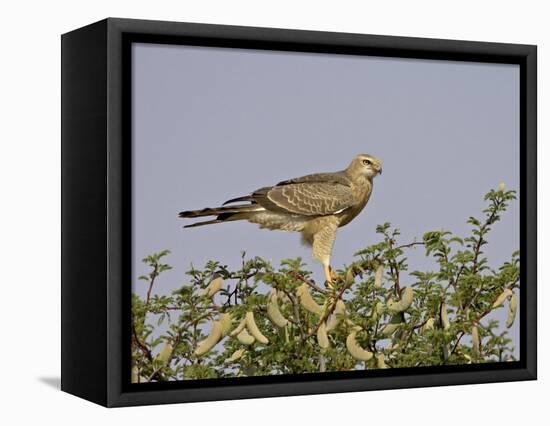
x,y
380,171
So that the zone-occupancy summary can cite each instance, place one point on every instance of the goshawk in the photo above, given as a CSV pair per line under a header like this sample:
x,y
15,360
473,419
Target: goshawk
x,y
315,205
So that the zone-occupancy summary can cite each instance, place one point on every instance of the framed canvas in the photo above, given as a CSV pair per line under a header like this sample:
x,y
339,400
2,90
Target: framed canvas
x,y
188,148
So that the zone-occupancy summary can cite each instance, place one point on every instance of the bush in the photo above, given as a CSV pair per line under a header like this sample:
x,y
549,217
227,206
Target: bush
x,y
224,323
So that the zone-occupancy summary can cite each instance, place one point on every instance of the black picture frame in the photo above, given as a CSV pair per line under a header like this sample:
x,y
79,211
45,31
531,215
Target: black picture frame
x,y
96,132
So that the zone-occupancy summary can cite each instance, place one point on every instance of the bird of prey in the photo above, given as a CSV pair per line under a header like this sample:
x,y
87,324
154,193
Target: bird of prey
x,y
315,205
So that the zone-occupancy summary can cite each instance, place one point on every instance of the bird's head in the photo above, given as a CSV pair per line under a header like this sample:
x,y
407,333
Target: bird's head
x,y
365,165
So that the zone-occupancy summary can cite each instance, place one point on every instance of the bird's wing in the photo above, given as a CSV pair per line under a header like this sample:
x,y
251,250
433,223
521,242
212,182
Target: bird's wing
x,y
306,198
338,177
310,195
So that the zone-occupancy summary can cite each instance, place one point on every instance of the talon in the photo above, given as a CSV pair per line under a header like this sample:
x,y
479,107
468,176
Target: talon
x,y
334,275
328,274
331,276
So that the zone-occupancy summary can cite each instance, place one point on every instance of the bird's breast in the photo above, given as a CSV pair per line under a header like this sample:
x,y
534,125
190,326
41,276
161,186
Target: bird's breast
x,y
361,192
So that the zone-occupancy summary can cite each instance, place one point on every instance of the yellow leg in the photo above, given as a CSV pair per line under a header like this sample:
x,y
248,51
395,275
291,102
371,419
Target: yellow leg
x,y
333,274
328,275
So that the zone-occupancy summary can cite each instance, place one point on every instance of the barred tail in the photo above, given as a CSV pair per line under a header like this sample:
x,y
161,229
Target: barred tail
x,y
223,214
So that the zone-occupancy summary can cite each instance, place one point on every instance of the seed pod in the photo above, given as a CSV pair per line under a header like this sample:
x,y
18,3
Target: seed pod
x,y
392,326
322,337
428,325
404,303
273,295
380,361
307,302
135,374
212,288
253,328
475,340
389,329
350,277
239,328
213,338
236,355
226,320
165,353
376,310
378,276
444,316
512,309
502,297
337,314
245,338
354,349
445,352
273,312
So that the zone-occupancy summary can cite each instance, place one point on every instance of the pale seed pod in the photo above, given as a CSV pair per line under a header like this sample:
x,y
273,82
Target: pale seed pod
x,y
322,337
236,355
444,317
337,314
428,325
502,297
211,340
404,303
273,312
212,288
239,328
512,309
354,349
135,374
389,329
350,323
350,277
273,295
501,187
307,301
392,326
378,276
245,338
253,328
376,310
380,361
475,340
165,353
226,320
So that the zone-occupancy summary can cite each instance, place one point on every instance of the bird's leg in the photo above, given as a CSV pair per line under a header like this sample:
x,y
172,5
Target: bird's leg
x,y
335,275
323,240
328,275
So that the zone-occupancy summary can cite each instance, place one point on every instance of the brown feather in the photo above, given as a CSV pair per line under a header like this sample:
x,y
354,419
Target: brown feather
x,y
219,210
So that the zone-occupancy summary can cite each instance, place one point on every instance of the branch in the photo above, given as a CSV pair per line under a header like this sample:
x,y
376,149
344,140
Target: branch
x,y
329,312
153,275
477,320
309,283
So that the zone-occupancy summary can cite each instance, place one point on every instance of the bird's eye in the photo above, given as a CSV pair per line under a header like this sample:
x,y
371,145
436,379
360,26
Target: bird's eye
x,y
367,162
